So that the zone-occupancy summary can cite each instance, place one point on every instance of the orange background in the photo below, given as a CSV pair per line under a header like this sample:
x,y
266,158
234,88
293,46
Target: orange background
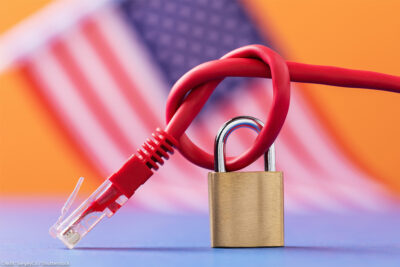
x,y
35,157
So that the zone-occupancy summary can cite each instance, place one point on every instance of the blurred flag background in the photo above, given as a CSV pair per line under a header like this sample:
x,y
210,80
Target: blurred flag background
x,y
83,83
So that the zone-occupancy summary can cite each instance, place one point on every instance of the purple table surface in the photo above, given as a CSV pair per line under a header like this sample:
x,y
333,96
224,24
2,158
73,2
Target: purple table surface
x,y
138,238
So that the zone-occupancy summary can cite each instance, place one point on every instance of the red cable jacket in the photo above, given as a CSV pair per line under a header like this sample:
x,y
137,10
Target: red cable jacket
x,y
336,76
190,93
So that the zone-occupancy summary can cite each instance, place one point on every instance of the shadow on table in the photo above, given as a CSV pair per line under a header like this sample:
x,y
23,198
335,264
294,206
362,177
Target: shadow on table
x,y
150,249
345,250
312,249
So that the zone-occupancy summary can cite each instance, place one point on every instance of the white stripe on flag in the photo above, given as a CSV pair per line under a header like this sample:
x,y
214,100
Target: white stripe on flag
x,y
36,31
92,67
75,114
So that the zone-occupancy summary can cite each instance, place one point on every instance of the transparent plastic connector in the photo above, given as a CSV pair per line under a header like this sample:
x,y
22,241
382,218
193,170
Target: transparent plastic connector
x,y
105,201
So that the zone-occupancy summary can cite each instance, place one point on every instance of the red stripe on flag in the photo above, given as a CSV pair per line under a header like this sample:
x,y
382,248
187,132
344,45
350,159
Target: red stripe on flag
x,y
89,96
128,88
39,94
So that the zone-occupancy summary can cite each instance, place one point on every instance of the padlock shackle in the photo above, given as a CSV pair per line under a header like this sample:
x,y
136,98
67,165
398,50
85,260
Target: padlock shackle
x,y
222,137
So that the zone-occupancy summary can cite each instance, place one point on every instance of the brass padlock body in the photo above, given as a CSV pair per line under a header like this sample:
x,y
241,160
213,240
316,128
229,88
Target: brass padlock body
x,y
246,209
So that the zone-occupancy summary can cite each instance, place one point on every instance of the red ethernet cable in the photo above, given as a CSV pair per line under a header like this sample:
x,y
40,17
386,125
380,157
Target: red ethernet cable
x,y
185,101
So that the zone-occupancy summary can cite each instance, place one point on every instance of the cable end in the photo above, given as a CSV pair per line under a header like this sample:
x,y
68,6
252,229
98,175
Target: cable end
x,y
105,201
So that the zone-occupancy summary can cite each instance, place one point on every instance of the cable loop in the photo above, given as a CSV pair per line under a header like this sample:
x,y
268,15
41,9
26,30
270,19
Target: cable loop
x,y
190,93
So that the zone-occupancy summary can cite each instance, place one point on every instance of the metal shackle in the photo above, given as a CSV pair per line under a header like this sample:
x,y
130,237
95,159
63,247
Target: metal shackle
x,y
227,129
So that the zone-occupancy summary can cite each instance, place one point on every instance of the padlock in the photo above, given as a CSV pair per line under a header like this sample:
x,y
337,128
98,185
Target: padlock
x,y
246,208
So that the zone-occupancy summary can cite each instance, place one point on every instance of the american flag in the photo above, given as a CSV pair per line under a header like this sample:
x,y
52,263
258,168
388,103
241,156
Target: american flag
x,y
104,69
